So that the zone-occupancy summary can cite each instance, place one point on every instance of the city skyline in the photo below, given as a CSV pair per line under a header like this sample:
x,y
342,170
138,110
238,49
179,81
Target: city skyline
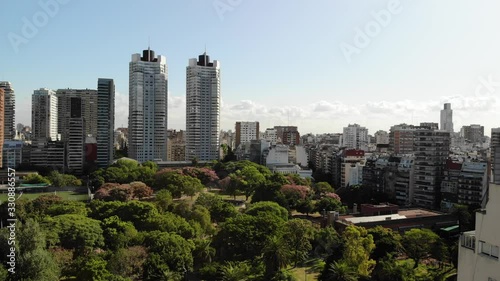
x,y
408,69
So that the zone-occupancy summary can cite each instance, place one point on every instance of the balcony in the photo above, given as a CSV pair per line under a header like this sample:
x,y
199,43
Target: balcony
x,y
468,240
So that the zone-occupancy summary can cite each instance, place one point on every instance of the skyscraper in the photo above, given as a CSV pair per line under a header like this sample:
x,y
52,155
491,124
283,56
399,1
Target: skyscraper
x,y
75,137
148,97
447,118
9,110
2,94
495,155
105,121
89,110
44,114
202,108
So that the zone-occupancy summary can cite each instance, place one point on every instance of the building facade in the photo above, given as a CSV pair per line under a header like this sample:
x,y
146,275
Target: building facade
x,y
478,254
355,137
44,114
495,155
148,105
473,133
105,121
203,109
9,103
88,99
431,152
447,118
246,132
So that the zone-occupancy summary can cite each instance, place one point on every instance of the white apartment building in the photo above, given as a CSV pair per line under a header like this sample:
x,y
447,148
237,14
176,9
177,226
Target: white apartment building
x,y
478,254
246,132
381,137
203,109
355,137
148,98
271,135
44,114
277,155
89,110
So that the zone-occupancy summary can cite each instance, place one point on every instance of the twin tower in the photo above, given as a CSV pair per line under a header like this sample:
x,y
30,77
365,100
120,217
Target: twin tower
x,y
148,108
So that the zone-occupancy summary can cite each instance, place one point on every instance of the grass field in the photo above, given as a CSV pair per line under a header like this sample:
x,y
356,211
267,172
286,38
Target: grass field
x,y
66,195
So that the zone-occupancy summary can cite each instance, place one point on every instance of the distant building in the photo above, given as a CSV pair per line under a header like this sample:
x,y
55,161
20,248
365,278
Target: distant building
x,y
473,133
2,96
401,138
9,105
12,153
75,157
50,154
288,135
176,145
105,121
44,114
271,135
88,110
246,132
431,152
203,99
495,155
148,106
447,118
381,137
355,137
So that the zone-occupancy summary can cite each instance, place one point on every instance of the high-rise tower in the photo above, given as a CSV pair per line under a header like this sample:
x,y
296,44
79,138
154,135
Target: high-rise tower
x,y
9,110
447,118
148,98
44,114
202,109
105,121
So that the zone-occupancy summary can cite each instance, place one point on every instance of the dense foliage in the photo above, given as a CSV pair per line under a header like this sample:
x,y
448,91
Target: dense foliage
x,y
229,221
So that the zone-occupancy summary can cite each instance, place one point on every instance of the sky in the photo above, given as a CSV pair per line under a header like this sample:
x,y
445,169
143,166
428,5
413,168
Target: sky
x,y
319,65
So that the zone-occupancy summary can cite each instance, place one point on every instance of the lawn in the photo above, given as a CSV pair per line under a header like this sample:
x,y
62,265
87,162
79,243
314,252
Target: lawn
x,y
304,274
66,195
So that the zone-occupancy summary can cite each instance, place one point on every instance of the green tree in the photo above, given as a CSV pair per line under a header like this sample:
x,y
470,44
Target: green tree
x,y
386,242
305,206
262,207
173,250
117,233
219,209
76,231
35,179
358,247
418,243
203,251
276,255
247,180
321,188
253,230
298,234
34,262
163,200
235,271
328,204
92,268
341,271
67,207
128,262
326,241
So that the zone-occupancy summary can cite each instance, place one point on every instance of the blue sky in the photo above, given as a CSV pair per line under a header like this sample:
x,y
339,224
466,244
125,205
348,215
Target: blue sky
x,y
282,62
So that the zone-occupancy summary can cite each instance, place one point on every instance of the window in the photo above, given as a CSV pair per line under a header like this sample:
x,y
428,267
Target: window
x,y
468,241
488,249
